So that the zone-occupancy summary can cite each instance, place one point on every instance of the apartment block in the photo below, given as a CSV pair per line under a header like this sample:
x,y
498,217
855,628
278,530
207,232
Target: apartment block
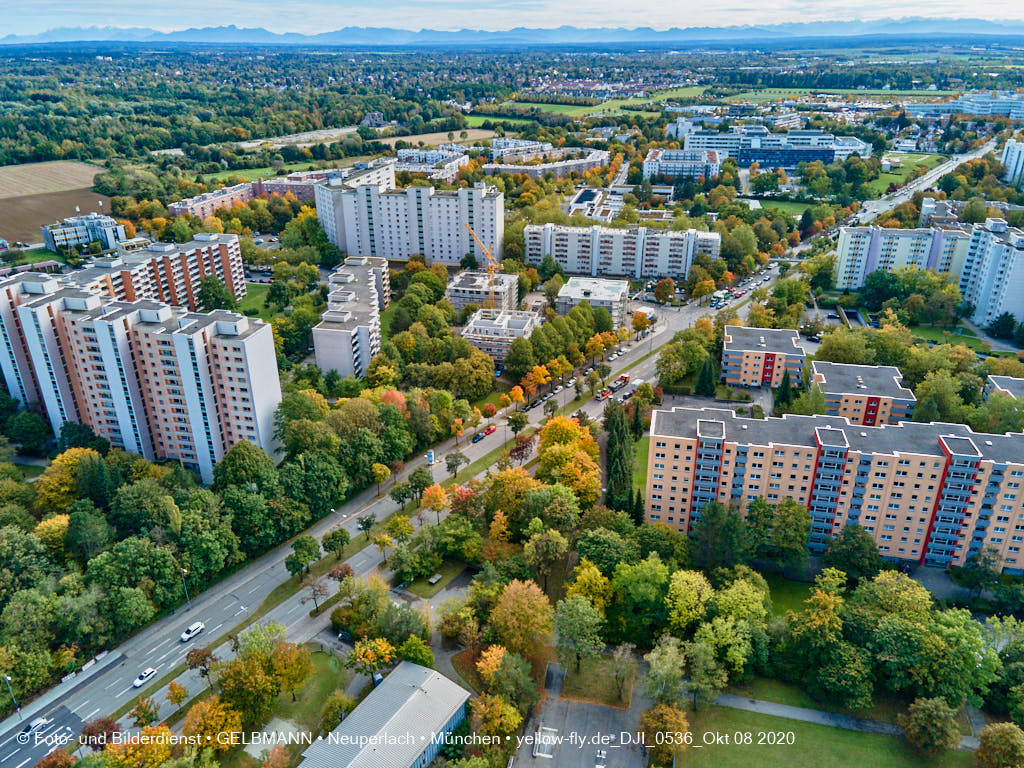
x,y
760,357
155,380
755,143
1013,162
474,287
992,278
862,250
864,394
591,158
983,103
1006,385
494,330
203,206
637,253
932,494
501,147
435,164
682,163
82,230
365,215
612,295
348,334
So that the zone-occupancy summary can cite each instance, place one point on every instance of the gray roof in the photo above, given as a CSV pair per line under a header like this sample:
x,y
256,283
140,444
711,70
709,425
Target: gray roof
x,y
738,337
413,701
1014,386
866,380
594,289
905,437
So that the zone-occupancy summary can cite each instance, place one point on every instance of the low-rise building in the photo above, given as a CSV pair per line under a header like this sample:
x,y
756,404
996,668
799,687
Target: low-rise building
x,y
82,230
1006,385
760,357
203,206
474,287
434,164
402,723
612,295
348,334
502,146
865,394
932,494
590,158
493,330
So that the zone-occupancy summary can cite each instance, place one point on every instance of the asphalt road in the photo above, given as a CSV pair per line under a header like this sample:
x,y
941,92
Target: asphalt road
x,y
19,749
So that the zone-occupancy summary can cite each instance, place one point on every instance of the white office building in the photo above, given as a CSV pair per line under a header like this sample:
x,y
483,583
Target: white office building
x,y
494,330
682,163
1013,162
862,250
755,143
993,273
472,287
348,334
613,295
82,230
365,215
637,253
982,103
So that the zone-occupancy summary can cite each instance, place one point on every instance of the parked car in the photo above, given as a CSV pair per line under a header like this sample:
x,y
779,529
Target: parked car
x,y
478,437
192,631
558,389
144,677
491,429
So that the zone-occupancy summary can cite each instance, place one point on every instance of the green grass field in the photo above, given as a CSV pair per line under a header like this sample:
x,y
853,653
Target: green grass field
x,y
475,121
796,210
449,570
262,173
613,105
813,745
256,294
35,256
787,595
901,175
595,682
640,462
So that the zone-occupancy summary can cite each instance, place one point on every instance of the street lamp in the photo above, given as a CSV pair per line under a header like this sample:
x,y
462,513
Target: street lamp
x,y
184,573
7,679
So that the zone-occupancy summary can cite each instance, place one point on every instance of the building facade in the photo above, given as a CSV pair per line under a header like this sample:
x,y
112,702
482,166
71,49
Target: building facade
x,y
471,287
592,158
864,394
152,379
493,330
983,103
862,250
613,295
755,143
682,163
82,230
1013,162
761,357
993,273
637,253
365,215
932,494
348,334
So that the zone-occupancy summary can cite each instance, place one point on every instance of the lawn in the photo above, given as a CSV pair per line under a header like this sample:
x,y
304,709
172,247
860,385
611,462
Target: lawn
x,y
796,210
449,570
37,255
493,397
640,462
595,682
475,121
787,595
813,745
465,664
613,105
29,471
385,321
963,336
328,675
262,173
256,295
901,175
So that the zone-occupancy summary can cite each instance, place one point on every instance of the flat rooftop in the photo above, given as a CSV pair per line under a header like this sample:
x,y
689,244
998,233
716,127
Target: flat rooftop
x,y
491,322
473,280
594,289
784,341
805,431
1012,386
867,380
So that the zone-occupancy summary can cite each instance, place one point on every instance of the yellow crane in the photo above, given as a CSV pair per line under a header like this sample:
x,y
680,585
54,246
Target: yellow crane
x,y
493,267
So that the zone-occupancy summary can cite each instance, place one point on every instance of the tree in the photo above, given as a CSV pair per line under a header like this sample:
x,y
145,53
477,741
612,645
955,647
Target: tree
x,y
708,678
1001,745
213,294
664,728
578,630
176,693
665,290
249,686
784,392
58,758
522,617
144,712
779,532
96,734
334,710
29,430
624,669
981,571
1003,326
589,582
317,591
420,480
494,715
435,498
365,524
293,667
454,460
416,651
706,383
208,719
665,681
544,551
335,541
931,726
855,553
380,473
370,655
689,593
305,552
402,493
720,538
201,659
151,748
520,359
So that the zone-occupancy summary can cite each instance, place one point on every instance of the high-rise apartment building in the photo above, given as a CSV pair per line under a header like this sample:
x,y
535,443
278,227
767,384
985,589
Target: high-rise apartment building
x,y
927,493
864,394
365,215
348,334
638,253
1013,162
761,357
862,250
992,278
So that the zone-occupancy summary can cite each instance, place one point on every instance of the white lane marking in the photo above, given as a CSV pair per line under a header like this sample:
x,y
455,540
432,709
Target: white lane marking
x,y
217,627
108,687
167,654
239,610
122,693
26,760
161,643
91,713
258,586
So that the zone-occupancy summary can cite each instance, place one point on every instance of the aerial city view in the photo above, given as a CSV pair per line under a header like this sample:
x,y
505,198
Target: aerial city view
x,y
534,384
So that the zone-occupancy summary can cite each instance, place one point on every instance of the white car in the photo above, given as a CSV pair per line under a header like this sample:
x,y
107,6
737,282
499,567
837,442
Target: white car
x,y
559,388
192,631
147,674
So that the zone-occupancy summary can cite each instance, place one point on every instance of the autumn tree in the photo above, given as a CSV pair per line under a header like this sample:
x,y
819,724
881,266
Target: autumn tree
x,y
96,734
380,474
931,726
208,719
370,655
201,659
293,666
578,629
176,693
144,712
494,715
664,728
522,618
435,498
151,749
1001,745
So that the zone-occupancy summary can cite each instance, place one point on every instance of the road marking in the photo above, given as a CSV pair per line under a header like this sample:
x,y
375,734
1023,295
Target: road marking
x,y
167,654
258,586
116,682
217,627
122,693
26,760
239,610
91,713
159,644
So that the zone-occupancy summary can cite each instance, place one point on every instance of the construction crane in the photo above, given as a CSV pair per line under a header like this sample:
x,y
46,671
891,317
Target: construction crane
x,y
492,265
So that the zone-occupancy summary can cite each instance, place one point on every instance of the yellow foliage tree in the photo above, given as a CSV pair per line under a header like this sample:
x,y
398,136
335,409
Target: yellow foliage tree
x,y
499,527
150,749
293,667
210,718
57,487
489,662
589,582
51,532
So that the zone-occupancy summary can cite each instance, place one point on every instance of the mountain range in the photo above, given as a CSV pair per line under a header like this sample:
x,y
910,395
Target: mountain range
x,y
929,28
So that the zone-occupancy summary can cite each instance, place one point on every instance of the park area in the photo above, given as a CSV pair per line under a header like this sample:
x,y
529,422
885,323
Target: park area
x,y
613,105
901,175
35,194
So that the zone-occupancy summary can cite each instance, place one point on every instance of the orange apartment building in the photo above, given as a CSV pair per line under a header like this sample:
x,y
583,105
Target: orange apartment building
x,y
927,493
865,394
760,357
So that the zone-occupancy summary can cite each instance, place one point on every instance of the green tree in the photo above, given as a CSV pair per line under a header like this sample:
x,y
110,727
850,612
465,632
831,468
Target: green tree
x,y
544,551
665,680
1001,745
931,726
578,631
707,677
706,383
305,551
854,553
720,536
213,294
335,541
416,651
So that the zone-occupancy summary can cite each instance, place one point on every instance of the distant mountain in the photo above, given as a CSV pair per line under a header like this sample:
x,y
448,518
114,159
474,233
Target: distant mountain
x,y
566,35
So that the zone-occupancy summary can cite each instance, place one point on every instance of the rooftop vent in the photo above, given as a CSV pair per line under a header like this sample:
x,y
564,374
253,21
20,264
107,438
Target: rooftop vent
x,y
863,434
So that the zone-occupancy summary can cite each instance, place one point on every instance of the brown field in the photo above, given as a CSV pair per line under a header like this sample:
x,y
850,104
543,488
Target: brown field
x,y
21,217
40,178
432,139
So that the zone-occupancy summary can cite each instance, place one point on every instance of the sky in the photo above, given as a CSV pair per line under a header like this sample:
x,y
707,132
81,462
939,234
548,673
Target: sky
x,y
311,16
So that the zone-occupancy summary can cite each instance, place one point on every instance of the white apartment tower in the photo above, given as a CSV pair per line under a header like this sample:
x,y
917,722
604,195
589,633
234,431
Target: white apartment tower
x,y
862,250
348,334
993,274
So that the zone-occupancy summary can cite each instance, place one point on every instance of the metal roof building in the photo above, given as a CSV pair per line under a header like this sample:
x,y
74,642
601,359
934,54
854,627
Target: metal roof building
x,y
398,725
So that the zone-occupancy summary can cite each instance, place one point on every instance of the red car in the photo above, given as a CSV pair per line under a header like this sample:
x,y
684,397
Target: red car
x,y
490,430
